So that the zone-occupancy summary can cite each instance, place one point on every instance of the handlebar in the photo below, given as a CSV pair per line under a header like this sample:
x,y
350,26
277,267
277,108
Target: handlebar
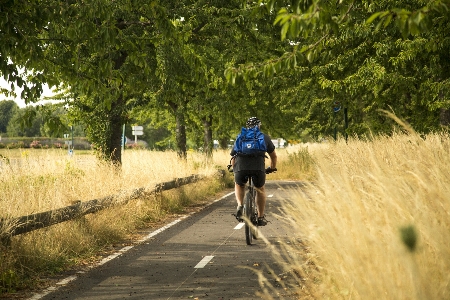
x,y
268,170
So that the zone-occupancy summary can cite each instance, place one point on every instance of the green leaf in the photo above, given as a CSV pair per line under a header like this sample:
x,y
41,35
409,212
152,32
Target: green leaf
x,y
284,30
282,17
373,17
387,20
304,48
409,237
310,56
418,17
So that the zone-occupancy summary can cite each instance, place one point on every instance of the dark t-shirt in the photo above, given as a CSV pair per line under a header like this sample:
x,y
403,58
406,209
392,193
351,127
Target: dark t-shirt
x,y
244,163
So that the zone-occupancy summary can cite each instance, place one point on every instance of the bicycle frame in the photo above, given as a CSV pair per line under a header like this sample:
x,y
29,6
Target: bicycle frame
x,y
250,213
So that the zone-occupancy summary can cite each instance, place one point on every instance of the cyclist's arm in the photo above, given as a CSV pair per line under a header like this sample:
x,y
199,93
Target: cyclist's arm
x,y
273,159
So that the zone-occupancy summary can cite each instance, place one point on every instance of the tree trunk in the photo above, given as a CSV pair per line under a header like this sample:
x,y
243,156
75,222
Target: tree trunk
x,y
116,118
180,130
116,123
444,117
207,137
181,136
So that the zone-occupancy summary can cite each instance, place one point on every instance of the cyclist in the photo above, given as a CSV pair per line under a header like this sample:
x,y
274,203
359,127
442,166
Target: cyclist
x,y
245,166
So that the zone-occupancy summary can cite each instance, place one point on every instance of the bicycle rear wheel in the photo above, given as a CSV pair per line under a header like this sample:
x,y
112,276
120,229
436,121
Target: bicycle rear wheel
x,y
254,228
254,219
248,212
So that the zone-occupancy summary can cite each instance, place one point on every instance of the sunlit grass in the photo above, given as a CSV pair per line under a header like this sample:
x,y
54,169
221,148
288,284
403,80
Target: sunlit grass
x,y
375,221
295,163
38,180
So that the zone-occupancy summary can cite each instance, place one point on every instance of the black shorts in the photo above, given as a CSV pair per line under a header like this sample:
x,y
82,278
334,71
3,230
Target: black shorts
x,y
259,177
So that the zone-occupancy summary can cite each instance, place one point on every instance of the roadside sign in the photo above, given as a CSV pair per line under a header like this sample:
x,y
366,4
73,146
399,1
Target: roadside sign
x,y
137,130
337,106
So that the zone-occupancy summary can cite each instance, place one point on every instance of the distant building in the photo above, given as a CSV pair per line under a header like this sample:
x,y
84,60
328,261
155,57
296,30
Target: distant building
x,y
279,143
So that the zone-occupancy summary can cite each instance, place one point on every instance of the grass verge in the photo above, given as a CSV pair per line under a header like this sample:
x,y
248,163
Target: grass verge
x,y
37,180
44,253
375,220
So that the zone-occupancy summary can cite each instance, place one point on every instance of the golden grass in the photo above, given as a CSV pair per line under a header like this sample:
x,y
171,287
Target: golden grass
x,y
359,199
352,216
38,180
295,163
33,180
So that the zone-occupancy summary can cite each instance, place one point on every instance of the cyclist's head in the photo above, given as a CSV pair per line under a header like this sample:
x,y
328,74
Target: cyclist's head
x,y
252,122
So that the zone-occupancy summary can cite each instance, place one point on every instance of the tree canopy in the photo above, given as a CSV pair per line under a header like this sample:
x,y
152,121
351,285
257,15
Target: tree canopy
x,y
350,52
201,68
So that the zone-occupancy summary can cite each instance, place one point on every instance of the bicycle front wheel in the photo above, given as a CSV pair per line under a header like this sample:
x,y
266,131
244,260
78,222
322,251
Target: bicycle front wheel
x,y
248,211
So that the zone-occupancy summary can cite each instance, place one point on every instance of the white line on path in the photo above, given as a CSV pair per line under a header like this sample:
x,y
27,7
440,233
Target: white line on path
x,y
204,262
120,252
67,280
161,229
54,288
112,256
239,226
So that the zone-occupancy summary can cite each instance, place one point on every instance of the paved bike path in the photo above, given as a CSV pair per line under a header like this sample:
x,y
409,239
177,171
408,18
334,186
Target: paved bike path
x,y
203,256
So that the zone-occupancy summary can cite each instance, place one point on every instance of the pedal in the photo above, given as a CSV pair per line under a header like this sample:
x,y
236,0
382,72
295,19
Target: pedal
x,y
239,220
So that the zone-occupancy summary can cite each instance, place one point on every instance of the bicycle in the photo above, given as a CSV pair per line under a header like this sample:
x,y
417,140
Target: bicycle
x,y
250,211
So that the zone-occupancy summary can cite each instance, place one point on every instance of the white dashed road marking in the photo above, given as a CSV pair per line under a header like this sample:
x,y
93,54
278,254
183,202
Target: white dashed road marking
x,y
239,226
204,261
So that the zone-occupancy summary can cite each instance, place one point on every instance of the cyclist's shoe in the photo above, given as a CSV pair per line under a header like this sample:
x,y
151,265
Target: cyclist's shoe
x,y
262,221
238,214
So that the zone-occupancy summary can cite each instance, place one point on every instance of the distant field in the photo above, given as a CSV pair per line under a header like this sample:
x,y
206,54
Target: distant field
x,y
80,143
27,152
50,178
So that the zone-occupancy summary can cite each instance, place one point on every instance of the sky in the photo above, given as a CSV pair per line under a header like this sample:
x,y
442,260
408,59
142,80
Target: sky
x,y
47,92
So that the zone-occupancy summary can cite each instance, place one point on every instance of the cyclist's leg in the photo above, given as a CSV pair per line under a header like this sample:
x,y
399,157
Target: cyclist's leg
x,y
240,179
259,182
239,191
261,200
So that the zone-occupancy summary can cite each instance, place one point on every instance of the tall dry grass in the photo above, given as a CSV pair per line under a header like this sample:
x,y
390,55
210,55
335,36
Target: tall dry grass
x,y
34,181
38,180
362,198
375,222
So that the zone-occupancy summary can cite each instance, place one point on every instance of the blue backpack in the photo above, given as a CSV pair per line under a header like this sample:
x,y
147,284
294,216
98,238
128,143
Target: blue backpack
x,y
250,142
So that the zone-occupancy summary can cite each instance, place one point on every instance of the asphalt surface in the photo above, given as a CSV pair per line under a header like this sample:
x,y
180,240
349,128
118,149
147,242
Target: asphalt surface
x,y
203,256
